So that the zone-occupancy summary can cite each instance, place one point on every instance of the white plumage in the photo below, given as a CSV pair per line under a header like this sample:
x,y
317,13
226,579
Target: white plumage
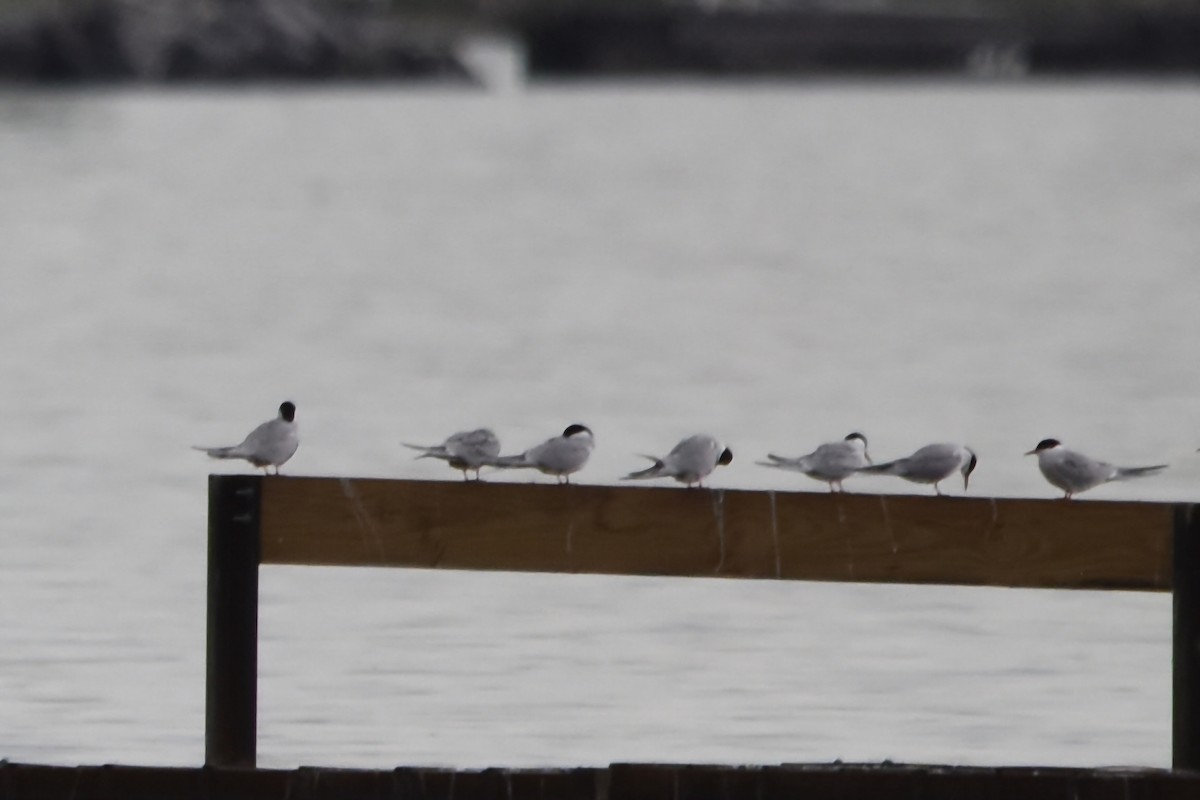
x,y
560,456
465,450
1074,472
933,463
832,462
689,462
271,444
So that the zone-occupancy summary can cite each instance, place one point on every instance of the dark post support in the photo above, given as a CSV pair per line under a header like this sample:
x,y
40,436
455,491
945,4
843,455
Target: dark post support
x,y
1185,733
231,703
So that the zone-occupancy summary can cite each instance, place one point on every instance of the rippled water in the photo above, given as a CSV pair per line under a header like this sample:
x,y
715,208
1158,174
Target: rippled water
x,y
775,264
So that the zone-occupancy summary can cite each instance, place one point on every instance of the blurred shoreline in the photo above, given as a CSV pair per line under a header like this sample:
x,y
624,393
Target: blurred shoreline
x,y
179,41
182,41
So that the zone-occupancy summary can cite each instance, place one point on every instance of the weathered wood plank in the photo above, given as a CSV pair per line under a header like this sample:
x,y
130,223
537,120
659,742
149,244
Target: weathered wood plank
x,y
743,534
615,782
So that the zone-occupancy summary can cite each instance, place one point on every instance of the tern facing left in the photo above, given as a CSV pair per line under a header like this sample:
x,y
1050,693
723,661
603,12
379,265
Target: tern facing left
x,y
465,450
933,463
1074,472
832,462
689,462
271,444
560,456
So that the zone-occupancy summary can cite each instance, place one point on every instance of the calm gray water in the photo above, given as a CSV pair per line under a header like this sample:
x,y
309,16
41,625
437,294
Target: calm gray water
x,y
775,264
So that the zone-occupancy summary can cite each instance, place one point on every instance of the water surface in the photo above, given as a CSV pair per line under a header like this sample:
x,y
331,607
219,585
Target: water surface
x,y
774,264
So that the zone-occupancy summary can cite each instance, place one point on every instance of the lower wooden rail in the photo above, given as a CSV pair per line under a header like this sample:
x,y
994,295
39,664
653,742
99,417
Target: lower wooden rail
x,y
615,782
256,520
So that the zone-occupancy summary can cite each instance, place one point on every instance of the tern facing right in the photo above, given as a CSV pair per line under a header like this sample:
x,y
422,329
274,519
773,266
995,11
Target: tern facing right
x,y
559,456
832,462
465,450
1074,472
689,462
271,444
933,463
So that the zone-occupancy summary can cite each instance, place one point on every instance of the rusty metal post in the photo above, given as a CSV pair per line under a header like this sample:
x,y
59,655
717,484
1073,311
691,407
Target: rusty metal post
x,y
231,702
1185,702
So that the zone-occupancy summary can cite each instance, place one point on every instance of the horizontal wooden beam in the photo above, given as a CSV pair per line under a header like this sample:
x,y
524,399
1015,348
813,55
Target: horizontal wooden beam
x,y
615,782
718,533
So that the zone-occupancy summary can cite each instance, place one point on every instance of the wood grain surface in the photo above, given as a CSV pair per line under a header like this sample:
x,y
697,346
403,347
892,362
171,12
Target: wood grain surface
x,y
740,534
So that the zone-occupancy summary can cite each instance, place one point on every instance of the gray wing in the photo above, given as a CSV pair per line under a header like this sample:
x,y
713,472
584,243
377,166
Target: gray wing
x,y
1081,472
476,448
836,460
559,455
273,442
933,462
695,455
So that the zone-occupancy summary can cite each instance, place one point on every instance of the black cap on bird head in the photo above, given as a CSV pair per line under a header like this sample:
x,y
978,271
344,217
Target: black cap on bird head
x,y
969,467
287,411
571,430
726,456
1044,444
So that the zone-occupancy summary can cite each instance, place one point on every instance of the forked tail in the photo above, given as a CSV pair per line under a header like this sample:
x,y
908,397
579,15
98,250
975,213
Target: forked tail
x,y
509,462
1139,472
219,452
795,464
649,472
427,452
774,461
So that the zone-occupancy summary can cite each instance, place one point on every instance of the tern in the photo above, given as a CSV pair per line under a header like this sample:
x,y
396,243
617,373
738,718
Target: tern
x,y
271,444
560,456
832,462
689,462
933,463
465,450
1074,472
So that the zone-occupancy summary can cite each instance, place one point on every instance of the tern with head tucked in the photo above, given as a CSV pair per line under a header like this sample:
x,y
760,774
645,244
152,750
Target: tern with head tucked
x,y
933,463
1074,472
689,462
271,444
832,462
560,456
465,450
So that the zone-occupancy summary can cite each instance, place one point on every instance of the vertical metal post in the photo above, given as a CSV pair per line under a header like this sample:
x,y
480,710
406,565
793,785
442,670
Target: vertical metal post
x,y
1185,703
231,702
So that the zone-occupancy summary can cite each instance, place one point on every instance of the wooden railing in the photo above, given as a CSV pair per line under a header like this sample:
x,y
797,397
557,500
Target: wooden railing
x,y
1052,544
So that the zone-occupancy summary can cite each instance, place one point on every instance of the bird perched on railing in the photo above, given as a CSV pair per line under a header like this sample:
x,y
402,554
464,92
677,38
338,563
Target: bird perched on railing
x,y
1074,472
933,463
689,462
560,456
832,462
271,444
465,450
